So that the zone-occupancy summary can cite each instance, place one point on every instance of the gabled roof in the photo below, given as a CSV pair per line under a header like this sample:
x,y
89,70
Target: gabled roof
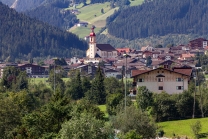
x,y
97,56
138,72
198,39
186,72
105,47
187,55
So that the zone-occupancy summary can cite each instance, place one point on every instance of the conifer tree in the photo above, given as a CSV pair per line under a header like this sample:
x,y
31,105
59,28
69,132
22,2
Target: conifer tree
x,y
97,93
76,91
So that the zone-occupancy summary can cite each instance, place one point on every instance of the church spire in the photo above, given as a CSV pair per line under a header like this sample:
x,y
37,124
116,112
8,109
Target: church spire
x,y
92,33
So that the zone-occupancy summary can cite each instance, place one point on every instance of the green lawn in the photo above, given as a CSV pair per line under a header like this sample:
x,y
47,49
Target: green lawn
x,y
182,128
43,80
92,14
83,31
92,11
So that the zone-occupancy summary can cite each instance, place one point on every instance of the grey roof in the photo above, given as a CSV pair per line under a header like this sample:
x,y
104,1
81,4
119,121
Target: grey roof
x,y
105,47
97,56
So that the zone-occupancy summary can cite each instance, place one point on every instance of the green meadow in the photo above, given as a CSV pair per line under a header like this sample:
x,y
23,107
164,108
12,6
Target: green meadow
x,y
182,128
92,14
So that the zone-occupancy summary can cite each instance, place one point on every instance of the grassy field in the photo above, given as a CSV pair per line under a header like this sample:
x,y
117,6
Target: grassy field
x,y
136,2
92,14
83,31
43,80
182,128
92,11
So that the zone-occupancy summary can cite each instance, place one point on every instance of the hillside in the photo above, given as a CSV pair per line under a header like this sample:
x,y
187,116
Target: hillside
x,y
54,14
22,5
23,37
159,17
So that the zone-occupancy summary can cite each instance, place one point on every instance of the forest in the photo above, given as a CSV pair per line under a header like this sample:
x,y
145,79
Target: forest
x,y
23,37
63,20
71,109
161,17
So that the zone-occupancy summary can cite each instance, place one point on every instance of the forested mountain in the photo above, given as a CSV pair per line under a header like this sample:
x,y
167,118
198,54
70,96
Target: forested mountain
x,y
22,5
161,17
53,14
23,37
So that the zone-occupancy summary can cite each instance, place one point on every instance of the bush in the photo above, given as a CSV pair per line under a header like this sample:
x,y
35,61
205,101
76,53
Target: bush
x,y
196,128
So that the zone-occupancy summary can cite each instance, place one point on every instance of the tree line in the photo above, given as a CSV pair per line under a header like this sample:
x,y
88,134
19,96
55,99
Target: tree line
x,y
70,109
24,37
159,17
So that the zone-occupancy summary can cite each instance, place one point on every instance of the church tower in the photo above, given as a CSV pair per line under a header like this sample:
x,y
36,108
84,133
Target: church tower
x,y
92,44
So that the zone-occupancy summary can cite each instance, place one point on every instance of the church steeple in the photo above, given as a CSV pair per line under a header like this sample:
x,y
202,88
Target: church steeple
x,y
91,52
92,36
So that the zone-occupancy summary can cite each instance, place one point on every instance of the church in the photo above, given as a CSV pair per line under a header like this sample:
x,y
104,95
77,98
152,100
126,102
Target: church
x,y
98,52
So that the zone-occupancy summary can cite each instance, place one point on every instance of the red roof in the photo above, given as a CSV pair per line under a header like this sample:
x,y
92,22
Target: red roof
x,y
184,71
92,33
127,50
137,72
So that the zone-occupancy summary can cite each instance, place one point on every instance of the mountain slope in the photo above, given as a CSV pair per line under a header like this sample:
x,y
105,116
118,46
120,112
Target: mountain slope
x,y
23,37
22,5
161,17
53,14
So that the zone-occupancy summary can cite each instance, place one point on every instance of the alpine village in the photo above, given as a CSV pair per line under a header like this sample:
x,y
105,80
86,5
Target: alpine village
x,y
103,69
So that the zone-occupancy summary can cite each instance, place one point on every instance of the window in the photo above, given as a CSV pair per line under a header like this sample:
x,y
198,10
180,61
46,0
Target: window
x,y
179,87
179,79
141,80
160,79
160,88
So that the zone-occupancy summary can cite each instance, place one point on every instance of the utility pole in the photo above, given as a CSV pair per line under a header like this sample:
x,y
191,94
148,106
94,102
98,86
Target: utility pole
x,y
54,74
201,105
126,56
194,105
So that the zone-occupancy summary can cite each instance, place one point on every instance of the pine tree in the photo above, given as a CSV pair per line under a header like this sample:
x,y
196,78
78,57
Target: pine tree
x,y
97,93
75,90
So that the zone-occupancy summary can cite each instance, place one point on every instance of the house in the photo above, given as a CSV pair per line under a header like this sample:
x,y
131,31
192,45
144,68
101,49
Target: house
x,y
147,48
166,57
186,56
162,79
34,71
4,65
97,52
82,24
112,73
86,70
146,54
199,43
123,50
